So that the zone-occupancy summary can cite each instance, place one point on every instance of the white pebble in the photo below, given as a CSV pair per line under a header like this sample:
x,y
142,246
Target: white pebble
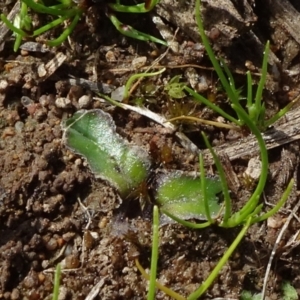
x,y
84,101
62,102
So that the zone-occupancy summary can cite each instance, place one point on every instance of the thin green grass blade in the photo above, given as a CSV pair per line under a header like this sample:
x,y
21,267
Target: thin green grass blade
x,y
262,81
212,57
135,77
225,190
230,78
133,33
66,32
203,189
47,10
12,27
249,92
281,113
279,204
201,99
139,8
49,26
213,275
248,208
186,223
56,282
163,288
154,254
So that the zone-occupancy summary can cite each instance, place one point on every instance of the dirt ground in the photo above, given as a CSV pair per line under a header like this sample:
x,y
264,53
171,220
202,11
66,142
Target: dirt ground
x,y
53,210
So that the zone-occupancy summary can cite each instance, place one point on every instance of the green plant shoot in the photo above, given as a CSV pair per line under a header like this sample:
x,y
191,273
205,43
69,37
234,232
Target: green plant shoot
x,y
92,134
56,282
68,10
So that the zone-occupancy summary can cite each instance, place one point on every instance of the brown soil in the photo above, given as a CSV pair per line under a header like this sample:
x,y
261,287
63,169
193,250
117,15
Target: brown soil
x,y
53,210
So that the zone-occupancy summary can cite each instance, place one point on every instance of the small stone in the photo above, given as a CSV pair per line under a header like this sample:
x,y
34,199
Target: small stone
x,y
62,102
15,294
52,244
84,101
26,101
78,162
31,280
254,169
139,62
72,262
3,85
110,56
118,93
42,70
19,126
44,100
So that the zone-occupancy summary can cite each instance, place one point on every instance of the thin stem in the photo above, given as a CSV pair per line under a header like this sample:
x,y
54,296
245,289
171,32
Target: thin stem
x,y
139,8
212,276
281,113
224,185
187,223
133,33
111,101
12,27
276,208
66,32
214,107
137,76
229,90
22,20
204,189
163,288
241,215
230,78
154,255
249,91
47,10
262,81
207,122
49,26
56,282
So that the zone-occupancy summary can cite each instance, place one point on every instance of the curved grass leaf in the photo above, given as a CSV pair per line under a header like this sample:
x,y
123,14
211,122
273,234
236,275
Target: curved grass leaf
x,y
92,134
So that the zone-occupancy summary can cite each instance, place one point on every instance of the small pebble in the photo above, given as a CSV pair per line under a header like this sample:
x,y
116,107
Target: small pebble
x,y
3,85
52,244
84,101
15,294
62,102
26,101
71,262
78,162
139,62
42,70
24,52
30,281
118,93
19,126
44,100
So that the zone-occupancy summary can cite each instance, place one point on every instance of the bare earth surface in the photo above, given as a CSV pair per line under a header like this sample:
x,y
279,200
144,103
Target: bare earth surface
x,y
53,210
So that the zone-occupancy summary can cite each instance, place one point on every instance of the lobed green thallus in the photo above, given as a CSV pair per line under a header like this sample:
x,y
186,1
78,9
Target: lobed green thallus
x,y
93,135
180,195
